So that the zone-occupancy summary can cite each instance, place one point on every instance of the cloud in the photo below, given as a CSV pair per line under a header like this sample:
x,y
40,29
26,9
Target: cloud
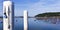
x,y
38,7
35,7
44,6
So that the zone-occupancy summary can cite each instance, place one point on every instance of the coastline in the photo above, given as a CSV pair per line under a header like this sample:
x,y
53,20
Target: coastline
x,y
45,18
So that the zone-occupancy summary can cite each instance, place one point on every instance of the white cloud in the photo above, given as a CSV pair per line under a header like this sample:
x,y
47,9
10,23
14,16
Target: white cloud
x,y
41,7
38,7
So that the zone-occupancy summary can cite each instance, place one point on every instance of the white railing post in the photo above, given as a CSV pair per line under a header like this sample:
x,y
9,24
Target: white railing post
x,y
25,20
7,15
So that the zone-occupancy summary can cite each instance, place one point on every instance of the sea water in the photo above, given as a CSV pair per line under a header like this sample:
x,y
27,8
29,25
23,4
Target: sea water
x,y
33,24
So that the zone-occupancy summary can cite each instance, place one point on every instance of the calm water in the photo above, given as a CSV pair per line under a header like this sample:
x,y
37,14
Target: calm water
x,y
34,24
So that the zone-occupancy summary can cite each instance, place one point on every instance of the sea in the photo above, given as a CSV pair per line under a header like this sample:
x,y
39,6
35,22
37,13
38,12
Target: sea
x,y
34,24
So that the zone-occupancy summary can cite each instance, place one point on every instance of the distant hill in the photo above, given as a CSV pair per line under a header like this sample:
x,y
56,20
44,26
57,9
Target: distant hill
x,y
18,17
49,14
22,17
14,16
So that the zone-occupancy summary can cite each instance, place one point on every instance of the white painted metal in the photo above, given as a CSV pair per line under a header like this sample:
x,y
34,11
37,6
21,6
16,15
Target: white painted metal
x,y
7,17
25,20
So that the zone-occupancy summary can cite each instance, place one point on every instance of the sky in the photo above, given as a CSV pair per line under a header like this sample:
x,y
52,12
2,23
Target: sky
x,y
33,7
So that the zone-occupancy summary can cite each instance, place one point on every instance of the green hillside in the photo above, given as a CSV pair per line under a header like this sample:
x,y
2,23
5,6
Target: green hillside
x,y
49,14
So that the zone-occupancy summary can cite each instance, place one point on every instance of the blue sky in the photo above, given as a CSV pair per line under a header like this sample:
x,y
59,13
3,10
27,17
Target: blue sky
x,y
34,7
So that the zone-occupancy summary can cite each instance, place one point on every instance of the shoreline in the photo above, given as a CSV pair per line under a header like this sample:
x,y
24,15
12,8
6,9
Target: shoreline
x,y
45,18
